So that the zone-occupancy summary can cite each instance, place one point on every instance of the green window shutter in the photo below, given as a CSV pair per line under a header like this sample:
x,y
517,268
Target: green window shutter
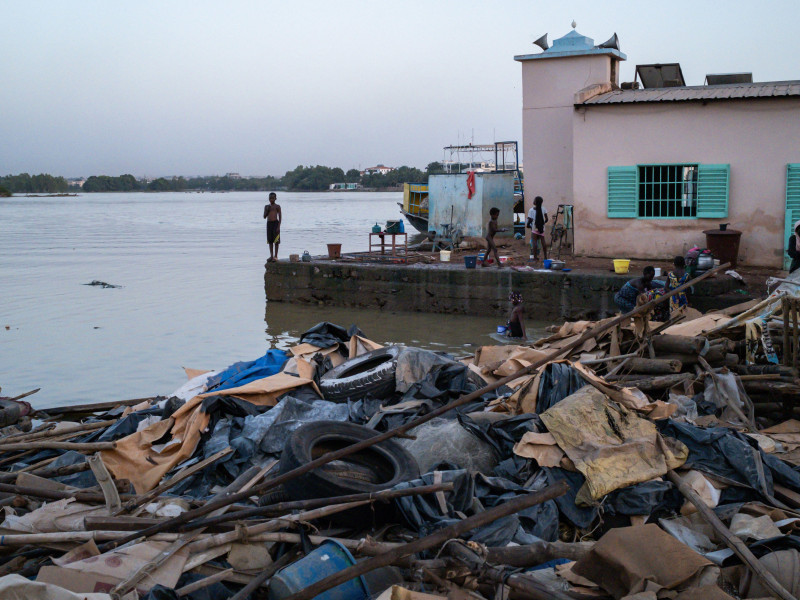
x,y
792,206
712,191
622,196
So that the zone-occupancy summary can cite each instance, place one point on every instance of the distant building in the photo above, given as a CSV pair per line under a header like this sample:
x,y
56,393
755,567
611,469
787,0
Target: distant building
x,y
344,186
379,170
648,170
233,176
76,181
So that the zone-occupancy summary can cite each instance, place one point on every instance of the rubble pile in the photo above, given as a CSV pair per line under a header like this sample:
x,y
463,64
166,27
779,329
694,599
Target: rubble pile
x,y
625,458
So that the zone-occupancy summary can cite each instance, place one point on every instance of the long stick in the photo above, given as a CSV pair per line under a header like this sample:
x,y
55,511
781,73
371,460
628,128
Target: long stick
x,y
733,542
50,445
287,507
79,495
439,537
97,406
52,432
203,583
348,450
785,314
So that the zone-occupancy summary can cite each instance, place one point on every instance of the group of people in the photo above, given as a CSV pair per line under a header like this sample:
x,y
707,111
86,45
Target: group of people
x,y
537,217
646,288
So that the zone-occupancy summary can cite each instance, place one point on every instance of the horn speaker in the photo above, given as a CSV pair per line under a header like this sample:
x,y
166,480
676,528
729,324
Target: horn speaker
x,y
542,42
612,42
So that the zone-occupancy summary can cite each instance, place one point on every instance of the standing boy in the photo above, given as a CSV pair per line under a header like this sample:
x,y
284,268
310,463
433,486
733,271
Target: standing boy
x,y
272,213
537,217
491,230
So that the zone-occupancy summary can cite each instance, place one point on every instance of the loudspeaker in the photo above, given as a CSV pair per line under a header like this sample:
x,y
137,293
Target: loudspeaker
x,y
612,42
542,42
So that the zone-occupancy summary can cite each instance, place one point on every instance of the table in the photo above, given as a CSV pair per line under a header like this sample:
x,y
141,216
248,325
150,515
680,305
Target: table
x,y
396,246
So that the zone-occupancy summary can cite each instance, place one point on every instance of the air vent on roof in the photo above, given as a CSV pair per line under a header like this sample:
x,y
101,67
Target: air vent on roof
x,y
660,76
723,78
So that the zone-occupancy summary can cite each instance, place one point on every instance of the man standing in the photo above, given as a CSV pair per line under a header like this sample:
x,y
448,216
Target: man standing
x,y
272,213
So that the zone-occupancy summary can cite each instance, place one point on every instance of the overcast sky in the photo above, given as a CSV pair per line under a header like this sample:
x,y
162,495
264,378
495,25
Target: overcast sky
x,y
202,88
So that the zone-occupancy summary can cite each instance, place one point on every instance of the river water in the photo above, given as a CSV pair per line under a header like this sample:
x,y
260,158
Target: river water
x,y
191,271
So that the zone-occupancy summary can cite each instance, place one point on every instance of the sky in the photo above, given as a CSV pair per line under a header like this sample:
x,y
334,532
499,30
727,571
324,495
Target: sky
x,y
197,87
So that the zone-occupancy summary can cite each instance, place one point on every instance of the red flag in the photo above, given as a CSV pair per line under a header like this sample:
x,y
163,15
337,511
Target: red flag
x,y
471,184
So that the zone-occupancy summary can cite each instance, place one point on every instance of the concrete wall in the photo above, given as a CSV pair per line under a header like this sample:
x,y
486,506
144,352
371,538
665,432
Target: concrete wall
x,y
757,138
548,91
470,215
456,290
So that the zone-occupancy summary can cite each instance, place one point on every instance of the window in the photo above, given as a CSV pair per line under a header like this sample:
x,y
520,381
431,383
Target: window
x,y
673,191
667,191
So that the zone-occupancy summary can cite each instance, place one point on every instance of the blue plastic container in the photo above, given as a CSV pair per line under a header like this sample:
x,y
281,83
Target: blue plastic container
x,y
402,226
470,261
329,558
502,329
547,263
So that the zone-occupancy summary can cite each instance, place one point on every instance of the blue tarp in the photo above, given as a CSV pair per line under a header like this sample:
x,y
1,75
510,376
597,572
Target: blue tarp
x,y
244,372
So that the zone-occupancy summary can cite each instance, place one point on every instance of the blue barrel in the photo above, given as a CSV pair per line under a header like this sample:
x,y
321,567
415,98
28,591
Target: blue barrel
x,y
329,558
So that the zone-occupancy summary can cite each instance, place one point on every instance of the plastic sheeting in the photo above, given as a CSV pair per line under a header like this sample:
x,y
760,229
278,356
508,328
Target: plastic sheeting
x,y
427,513
244,372
732,455
558,381
325,335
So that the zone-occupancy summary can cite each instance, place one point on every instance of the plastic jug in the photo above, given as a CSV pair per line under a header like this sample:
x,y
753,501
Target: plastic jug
x,y
402,228
376,228
306,256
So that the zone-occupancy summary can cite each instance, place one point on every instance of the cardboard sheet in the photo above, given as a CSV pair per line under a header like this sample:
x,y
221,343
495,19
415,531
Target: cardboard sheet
x,y
609,444
630,560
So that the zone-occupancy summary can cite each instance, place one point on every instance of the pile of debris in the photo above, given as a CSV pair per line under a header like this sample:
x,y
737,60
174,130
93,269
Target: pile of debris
x,y
344,469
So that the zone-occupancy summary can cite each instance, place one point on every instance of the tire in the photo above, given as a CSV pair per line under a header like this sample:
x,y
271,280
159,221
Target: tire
x,y
386,463
369,374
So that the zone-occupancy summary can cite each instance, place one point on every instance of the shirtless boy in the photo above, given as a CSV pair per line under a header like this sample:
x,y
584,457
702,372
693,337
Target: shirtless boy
x,y
272,213
491,230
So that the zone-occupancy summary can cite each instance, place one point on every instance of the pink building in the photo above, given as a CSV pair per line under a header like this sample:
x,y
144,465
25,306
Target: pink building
x,y
649,169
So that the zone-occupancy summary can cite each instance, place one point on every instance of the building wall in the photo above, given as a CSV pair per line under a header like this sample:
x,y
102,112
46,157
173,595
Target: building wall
x,y
448,202
756,137
548,91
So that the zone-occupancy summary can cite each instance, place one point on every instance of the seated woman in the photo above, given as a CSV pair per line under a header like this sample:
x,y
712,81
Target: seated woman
x,y
625,298
516,324
675,279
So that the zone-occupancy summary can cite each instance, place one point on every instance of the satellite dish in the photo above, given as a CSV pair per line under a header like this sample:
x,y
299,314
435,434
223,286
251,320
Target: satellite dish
x,y
542,42
612,42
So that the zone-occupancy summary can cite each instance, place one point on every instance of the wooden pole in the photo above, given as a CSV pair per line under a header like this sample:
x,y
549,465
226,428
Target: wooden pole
x,y
435,539
202,583
97,406
282,508
50,445
796,339
732,541
785,312
348,450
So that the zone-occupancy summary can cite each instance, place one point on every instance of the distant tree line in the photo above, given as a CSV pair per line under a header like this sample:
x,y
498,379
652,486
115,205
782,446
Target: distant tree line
x,y
32,184
300,179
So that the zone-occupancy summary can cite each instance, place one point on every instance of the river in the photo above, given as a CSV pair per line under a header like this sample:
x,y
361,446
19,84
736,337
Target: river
x,y
191,271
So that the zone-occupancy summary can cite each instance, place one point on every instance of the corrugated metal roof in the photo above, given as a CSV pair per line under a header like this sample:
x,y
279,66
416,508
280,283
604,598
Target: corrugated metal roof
x,y
734,91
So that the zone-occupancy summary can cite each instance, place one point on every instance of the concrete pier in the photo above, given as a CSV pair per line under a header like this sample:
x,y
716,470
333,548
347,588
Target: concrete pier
x,y
450,288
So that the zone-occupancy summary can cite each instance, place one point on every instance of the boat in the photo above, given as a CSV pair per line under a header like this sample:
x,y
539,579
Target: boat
x,y
415,205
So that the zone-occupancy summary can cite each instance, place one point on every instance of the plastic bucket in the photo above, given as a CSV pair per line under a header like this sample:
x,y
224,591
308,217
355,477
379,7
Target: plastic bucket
x,y
329,558
621,265
444,255
547,263
334,250
470,261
